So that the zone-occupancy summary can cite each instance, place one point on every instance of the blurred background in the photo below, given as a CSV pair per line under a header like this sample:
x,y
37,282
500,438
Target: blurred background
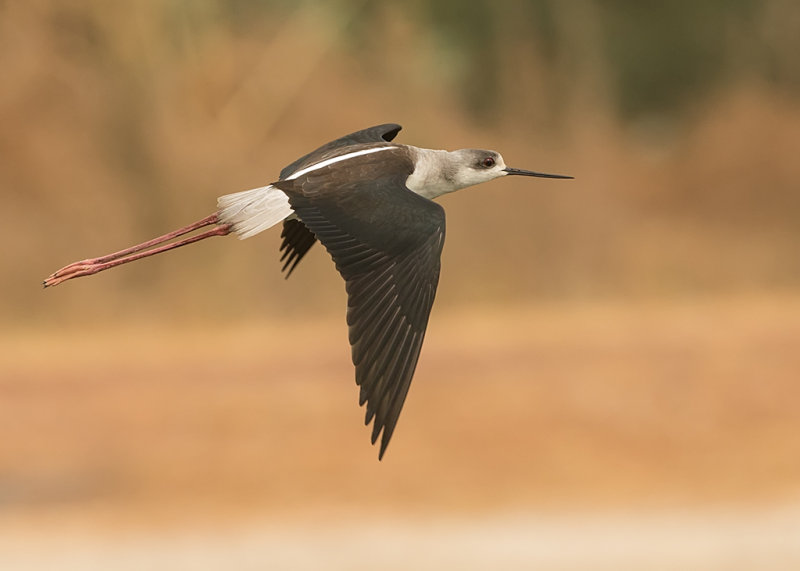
x,y
612,370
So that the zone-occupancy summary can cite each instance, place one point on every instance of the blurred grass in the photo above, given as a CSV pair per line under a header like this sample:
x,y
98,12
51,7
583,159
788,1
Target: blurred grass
x,y
530,408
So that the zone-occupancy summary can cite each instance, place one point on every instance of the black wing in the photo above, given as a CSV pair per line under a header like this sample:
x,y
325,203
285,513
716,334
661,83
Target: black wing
x,y
377,134
296,238
386,242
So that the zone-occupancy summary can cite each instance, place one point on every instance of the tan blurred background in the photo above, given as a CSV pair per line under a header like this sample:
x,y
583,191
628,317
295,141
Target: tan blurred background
x,y
611,377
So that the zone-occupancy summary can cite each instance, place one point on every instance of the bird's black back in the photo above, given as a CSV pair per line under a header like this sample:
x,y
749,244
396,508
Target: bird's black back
x,y
296,239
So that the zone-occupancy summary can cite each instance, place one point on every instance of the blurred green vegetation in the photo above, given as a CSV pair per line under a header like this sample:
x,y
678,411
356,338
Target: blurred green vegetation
x,y
659,56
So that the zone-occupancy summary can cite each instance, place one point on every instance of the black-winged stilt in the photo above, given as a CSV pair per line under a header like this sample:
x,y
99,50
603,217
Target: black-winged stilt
x,y
369,201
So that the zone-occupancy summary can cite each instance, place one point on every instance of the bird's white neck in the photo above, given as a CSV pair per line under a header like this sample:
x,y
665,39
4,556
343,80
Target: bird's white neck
x,y
434,174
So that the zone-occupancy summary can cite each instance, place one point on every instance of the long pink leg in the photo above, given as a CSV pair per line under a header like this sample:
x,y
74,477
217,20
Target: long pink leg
x,y
94,265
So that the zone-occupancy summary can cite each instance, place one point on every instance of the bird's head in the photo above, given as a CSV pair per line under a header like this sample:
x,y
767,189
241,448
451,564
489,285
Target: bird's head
x,y
474,166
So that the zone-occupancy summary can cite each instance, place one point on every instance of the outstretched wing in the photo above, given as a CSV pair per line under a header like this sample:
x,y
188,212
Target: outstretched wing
x,y
386,242
297,239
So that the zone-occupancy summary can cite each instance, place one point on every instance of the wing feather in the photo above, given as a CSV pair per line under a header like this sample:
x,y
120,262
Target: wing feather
x,y
296,241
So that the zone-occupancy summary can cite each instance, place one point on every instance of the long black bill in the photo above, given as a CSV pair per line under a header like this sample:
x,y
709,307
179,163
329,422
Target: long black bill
x,y
523,172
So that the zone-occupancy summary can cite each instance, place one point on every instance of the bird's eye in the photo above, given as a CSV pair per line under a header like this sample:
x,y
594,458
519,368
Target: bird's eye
x,y
488,162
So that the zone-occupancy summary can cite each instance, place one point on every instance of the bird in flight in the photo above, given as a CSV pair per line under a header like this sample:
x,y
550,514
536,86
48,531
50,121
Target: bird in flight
x,y
369,201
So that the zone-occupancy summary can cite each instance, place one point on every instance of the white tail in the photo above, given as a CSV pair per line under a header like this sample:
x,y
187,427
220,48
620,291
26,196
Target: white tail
x,y
252,211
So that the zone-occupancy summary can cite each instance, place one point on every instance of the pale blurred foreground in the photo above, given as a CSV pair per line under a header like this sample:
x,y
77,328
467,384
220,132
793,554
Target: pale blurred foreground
x,y
739,540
